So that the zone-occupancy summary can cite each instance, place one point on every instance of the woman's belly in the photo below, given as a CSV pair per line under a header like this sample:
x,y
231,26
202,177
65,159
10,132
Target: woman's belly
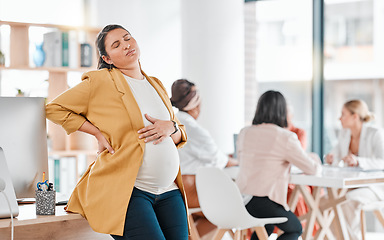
x,y
160,165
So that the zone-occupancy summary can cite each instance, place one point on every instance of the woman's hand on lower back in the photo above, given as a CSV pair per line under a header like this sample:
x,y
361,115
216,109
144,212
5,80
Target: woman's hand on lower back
x,y
103,144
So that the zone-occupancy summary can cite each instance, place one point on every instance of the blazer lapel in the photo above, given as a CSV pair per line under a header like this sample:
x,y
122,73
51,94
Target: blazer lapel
x,y
129,101
346,141
363,141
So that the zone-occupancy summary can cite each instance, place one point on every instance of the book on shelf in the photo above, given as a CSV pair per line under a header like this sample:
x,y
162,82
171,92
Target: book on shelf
x,y
52,47
56,48
86,55
73,49
62,173
64,49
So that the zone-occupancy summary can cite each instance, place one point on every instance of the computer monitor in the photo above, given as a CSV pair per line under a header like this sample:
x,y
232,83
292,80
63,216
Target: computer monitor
x,y
235,145
23,138
8,203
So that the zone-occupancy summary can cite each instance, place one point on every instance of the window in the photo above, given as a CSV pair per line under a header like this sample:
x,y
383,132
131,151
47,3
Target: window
x,y
353,47
278,54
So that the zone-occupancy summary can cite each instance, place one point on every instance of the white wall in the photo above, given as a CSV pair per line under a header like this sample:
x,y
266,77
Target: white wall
x,y
213,58
156,26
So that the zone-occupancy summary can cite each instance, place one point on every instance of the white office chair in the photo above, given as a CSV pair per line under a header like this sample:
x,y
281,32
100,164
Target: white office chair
x,y
222,204
376,207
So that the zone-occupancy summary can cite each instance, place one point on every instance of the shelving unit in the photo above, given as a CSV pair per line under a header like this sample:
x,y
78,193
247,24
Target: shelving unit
x,y
62,145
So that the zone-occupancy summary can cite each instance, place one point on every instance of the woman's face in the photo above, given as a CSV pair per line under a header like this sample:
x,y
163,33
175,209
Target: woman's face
x,y
122,49
347,118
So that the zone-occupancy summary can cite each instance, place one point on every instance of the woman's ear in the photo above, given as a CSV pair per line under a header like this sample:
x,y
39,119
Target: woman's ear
x,y
356,116
106,59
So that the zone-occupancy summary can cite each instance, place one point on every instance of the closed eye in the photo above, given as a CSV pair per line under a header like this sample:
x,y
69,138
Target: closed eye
x,y
115,44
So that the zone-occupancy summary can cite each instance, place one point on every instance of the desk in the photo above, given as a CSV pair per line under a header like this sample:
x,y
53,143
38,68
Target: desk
x,y
323,210
63,226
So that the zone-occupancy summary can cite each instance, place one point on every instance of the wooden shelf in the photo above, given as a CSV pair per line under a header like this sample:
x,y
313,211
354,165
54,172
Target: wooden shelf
x,y
19,60
49,69
71,153
47,25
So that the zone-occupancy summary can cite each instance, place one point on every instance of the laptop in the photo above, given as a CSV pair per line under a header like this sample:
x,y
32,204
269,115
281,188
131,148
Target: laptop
x,y
9,190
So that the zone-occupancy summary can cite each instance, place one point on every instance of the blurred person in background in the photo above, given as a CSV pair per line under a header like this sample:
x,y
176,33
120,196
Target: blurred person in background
x,y
266,150
360,145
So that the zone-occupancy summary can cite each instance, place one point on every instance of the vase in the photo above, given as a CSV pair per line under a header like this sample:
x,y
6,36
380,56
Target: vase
x,y
39,55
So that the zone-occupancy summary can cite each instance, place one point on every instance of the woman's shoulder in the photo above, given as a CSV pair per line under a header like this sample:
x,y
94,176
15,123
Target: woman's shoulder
x,y
273,128
372,130
187,119
95,74
372,127
267,128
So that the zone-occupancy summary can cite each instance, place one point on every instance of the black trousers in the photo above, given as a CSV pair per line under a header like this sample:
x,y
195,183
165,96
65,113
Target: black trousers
x,y
263,207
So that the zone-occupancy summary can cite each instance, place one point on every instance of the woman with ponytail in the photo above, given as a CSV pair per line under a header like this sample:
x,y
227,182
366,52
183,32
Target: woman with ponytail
x,y
133,190
360,145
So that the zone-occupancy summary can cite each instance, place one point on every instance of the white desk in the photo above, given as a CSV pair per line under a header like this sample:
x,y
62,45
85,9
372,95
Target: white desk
x,y
62,225
337,181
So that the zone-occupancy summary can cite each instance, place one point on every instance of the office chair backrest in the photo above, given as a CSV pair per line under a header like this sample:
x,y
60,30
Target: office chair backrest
x,y
220,198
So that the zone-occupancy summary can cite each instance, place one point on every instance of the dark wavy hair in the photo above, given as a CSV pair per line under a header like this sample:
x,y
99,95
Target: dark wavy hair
x,y
100,44
182,93
271,108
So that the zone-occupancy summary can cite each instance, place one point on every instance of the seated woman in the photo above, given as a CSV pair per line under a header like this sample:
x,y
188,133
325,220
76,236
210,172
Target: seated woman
x,y
201,149
266,150
360,145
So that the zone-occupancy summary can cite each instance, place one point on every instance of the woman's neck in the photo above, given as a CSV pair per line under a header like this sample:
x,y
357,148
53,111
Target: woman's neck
x,y
356,130
133,72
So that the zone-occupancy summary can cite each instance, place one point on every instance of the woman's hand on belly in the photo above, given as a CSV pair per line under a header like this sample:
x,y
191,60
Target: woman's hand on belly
x,y
158,131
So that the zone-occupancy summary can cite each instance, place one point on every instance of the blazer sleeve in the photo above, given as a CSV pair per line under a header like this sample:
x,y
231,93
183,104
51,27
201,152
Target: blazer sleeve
x,y
183,140
70,108
376,161
309,163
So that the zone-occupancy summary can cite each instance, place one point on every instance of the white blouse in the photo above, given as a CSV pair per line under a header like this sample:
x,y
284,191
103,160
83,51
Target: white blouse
x,y
201,150
161,161
371,151
371,147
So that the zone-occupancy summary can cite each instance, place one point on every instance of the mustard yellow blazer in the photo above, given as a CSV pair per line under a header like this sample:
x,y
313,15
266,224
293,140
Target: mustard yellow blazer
x,y
104,98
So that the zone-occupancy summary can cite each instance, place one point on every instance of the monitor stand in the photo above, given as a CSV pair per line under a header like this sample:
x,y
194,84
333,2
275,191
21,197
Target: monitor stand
x,y
9,190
